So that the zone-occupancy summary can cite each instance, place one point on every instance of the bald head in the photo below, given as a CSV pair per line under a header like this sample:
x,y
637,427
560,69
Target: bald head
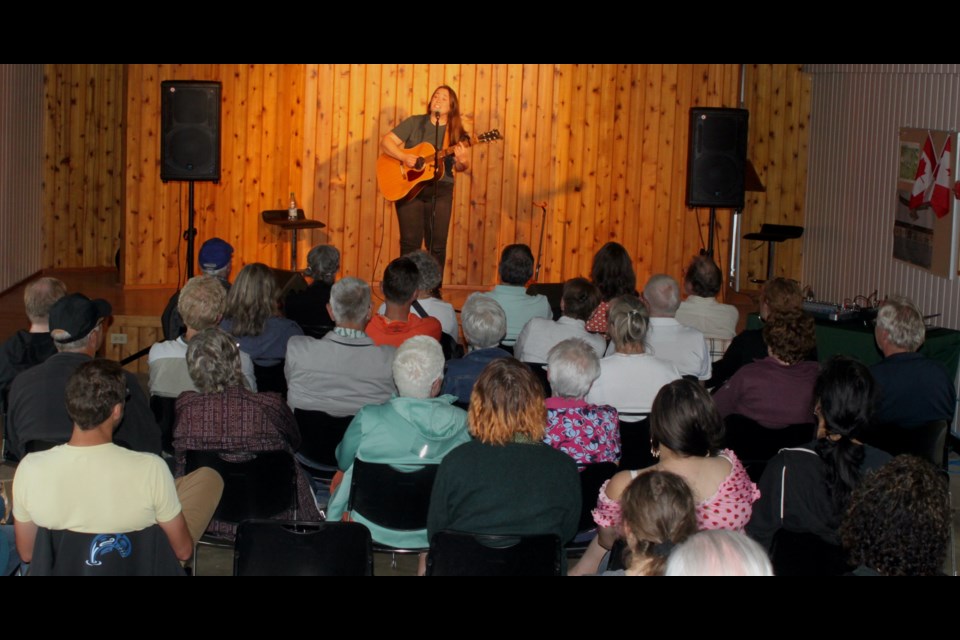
x,y
662,294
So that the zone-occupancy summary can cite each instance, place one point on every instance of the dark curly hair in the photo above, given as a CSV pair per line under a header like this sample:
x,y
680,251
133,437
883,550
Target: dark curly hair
x,y
685,419
790,337
612,272
899,519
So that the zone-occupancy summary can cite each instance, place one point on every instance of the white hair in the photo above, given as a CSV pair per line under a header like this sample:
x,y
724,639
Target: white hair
x,y
350,300
484,321
719,553
418,364
573,366
903,322
662,293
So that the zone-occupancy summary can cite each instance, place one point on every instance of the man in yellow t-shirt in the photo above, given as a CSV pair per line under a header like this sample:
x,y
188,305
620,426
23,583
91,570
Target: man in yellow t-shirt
x,y
91,485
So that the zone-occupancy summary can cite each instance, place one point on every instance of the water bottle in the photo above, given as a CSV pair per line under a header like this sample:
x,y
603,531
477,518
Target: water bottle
x,y
292,211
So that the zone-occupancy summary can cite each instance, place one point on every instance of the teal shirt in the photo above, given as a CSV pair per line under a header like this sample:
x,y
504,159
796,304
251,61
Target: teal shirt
x,y
520,308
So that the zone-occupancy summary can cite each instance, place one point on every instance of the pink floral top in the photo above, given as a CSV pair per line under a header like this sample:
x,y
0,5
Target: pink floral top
x,y
729,508
588,433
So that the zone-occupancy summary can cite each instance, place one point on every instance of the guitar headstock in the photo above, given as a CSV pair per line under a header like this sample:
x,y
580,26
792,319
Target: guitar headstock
x,y
489,136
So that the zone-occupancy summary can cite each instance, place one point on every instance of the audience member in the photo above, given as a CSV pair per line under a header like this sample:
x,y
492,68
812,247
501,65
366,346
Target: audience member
x,y
777,391
612,273
25,349
669,340
201,307
807,489
719,553
779,298
344,370
686,435
484,325
516,269
428,294
216,259
308,308
412,429
506,481
586,432
539,335
251,316
898,522
658,514
914,389
90,485
226,416
701,310
401,282
37,409
630,378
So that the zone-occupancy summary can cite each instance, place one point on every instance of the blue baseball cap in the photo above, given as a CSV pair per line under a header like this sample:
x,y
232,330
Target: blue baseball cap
x,y
215,253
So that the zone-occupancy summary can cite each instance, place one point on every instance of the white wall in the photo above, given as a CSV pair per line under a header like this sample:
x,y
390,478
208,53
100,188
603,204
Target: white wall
x,y
857,112
21,171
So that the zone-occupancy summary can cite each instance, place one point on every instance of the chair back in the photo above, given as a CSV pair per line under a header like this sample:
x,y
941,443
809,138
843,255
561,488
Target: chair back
x,y
468,554
137,553
635,442
258,485
541,374
805,554
592,477
391,498
270,378
299,548
927,441
755,444
320,433
164,411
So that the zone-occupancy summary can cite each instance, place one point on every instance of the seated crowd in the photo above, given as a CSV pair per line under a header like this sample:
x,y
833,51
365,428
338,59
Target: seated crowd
x,y
513,419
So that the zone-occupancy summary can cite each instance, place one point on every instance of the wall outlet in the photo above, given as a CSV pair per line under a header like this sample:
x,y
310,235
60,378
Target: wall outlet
x,y
118,338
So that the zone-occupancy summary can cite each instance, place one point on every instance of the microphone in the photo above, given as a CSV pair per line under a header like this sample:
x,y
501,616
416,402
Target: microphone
x,y
436,114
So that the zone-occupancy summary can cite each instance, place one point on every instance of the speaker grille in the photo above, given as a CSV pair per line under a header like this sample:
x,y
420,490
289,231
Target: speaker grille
x,y
716,157
190,136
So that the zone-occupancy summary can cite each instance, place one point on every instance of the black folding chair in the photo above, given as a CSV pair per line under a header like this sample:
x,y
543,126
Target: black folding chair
x,y
299,548
468,554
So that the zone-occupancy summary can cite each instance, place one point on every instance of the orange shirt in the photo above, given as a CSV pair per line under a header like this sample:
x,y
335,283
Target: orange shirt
x,y
394,332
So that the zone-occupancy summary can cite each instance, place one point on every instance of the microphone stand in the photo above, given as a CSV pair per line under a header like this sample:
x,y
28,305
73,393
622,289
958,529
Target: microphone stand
x,y
436,181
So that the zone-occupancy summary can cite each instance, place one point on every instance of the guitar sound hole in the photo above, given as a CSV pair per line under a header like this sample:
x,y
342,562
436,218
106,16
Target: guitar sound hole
x,y
420,163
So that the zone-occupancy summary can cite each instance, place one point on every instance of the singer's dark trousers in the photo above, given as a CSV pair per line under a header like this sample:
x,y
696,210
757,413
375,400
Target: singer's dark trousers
x,y
417,224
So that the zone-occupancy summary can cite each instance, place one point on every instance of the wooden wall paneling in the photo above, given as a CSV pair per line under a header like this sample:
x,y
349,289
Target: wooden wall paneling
x,y
492,207
523,156
562,173
754,265
307,161
514,217
575,162
365,206
477,83
591,214
338,169
461,229
635,189
251,227
649,254
144,240
358,222
774,133
685,222
788,134
802,121
539,98
610,147
666,211
386,112
273,192
323,104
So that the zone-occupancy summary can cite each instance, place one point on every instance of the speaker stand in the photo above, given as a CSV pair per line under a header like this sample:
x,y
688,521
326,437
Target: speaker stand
x,y
191,233
710,231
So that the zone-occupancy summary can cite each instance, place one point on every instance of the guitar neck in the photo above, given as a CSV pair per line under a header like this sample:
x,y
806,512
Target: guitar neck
x,y
443,153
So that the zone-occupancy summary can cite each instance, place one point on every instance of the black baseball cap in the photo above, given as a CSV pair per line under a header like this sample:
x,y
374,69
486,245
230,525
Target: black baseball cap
x,y
77,315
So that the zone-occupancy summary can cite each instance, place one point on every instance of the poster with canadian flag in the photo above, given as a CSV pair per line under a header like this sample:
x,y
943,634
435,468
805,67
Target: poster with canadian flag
x,y
925,229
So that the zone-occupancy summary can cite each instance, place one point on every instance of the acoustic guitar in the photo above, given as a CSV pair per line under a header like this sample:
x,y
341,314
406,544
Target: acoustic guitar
x,y
397,181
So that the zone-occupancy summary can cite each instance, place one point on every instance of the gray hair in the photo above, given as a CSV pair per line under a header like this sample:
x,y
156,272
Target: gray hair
x,y
484,321
350,300
627,322
662,293
430,273
574,367
222,273
719,553
213,361
323,262
201,302
417,364
40,295
77,345
903,322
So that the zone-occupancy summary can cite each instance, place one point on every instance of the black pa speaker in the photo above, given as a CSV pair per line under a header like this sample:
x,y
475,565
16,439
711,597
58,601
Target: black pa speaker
x,y
716,157
190,130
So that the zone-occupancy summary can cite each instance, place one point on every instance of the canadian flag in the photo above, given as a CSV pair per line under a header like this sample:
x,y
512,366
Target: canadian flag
x,y
940,198
924,177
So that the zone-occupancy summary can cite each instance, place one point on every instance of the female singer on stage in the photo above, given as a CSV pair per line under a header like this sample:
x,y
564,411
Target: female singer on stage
x,y
416,214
